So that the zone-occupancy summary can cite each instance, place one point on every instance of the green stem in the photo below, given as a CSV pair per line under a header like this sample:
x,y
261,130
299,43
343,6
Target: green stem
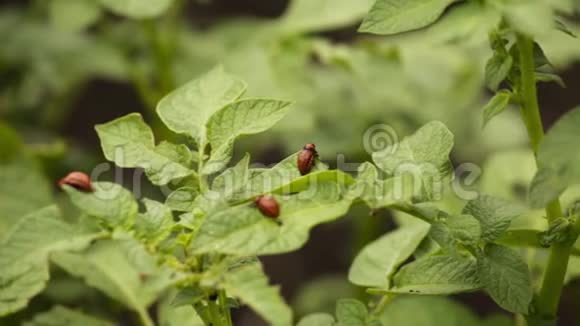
x,y
383,303
144,318
202,313
553,280
200,163
530,109
224,307
215,314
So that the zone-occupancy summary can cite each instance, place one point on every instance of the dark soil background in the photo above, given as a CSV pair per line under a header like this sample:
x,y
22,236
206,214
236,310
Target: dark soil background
x,y
329,250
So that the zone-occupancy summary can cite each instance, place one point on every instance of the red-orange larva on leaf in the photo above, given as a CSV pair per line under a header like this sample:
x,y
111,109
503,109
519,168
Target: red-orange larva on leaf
x,y
306,158
268,206
77,180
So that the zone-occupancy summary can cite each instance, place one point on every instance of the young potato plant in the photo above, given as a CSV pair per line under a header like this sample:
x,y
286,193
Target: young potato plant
x,y
198,248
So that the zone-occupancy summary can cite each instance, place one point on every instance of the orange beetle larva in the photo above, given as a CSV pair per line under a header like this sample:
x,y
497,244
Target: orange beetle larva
x,y
268,206
77,180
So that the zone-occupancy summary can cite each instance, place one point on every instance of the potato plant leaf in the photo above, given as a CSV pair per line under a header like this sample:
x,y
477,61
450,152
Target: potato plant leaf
x,y
137,9
233,178
128,141
188,109
285,177
546,77
494,215
428,310
182,199
23,190
155,224
250,285
534,17
420,160
62,316
317,319
497,69
110,202
24,254
464,228
505,277
351,312
558,160
311,16
122,269
439,274
178,316
377,261
395,16
252,233
244,117
496,105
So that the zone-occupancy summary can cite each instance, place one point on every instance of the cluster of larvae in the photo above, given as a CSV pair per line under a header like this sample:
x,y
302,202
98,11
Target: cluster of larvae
x,y
267,204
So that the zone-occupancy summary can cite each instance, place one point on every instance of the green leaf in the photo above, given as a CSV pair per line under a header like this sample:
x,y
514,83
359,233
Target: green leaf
x,y
305,16
377,261
73,15
506,278
497,69
562,27
532,17
423,158
548,78
155,224
250,285
468,23
284,177
427,311
23,189
559,231
317,319
137,9
496,105
251,233
178,316
122,269
351,312
558,160
128,141
187,296
367,185
396,16
524,230
464,228
440,275
233,178
187,109
110,202
62,316
244,117
24,255
494,214
182,199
